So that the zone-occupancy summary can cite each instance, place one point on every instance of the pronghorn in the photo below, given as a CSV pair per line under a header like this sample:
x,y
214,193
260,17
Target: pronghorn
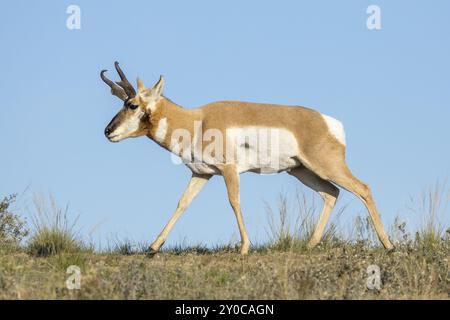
x,y
311,147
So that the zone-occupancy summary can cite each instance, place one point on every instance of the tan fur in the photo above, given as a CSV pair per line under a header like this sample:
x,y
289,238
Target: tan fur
x,y
306,124
321,155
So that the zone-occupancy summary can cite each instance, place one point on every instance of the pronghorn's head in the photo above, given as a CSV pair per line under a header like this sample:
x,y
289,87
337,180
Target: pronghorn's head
x,y
133,119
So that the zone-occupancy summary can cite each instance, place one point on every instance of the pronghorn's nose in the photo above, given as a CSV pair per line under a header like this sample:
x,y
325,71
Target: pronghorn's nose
x,y
107,131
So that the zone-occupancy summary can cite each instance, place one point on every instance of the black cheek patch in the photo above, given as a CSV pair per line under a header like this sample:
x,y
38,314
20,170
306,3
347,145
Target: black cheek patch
x,y
145,117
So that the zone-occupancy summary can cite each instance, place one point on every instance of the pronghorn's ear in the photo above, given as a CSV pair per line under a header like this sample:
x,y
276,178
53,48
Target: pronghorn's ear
x,y
153,93
140,85
151,96
159,86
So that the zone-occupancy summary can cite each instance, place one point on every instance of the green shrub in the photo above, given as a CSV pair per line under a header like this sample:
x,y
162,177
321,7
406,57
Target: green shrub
x,y
12,228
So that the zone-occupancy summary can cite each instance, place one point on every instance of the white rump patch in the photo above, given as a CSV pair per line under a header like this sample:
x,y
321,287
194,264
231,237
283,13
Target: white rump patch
x,y
336,128
161,131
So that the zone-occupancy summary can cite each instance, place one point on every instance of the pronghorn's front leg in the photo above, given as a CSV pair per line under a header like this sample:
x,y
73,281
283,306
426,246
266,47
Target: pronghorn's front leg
x,y
195,186
231,176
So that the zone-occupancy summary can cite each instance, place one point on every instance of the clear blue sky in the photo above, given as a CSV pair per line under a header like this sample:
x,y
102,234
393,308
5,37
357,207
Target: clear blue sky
x,y
390,88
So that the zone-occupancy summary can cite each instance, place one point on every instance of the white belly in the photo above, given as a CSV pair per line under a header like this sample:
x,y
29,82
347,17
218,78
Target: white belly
x,y
257,149
263,150
202,168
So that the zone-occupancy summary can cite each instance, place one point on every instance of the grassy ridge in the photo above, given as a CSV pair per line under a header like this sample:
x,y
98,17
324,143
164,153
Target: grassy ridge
x,y
341,267
333,273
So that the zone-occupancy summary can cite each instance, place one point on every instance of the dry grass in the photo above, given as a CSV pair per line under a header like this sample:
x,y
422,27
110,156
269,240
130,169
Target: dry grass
x,y
54,233
281,269
339,273
291,227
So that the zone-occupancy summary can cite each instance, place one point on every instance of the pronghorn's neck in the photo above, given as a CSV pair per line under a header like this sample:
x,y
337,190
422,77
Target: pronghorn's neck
x,y
168,116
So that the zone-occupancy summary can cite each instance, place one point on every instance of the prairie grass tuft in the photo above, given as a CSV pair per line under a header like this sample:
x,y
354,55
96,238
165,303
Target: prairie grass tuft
x,y
291,227
125,247
432,206
53,232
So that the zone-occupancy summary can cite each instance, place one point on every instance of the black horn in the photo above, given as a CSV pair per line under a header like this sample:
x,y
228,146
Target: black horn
x,y
124,83
115,89
121,89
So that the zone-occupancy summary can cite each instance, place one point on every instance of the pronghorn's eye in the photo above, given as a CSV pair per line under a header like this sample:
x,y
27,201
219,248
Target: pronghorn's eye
x,y
131,106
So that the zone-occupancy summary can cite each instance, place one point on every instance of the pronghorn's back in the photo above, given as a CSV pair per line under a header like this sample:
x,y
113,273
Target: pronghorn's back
x,y
306,132
307,122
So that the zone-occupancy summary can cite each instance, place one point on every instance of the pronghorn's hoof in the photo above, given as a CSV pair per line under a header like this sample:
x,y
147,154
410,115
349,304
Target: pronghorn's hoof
x,y
151,253
312,244
390,249
388,245
244,249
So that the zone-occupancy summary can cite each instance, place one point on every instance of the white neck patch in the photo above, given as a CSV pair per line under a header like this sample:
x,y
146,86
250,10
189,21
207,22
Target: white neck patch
x,y
161,131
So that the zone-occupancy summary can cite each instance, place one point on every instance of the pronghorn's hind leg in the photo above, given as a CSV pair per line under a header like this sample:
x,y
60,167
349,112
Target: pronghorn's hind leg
x,y
327,160
332,167
344,178
326,190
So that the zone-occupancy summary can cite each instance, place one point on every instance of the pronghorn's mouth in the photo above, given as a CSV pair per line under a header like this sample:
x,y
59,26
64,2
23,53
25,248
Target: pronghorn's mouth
x,y
114,138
